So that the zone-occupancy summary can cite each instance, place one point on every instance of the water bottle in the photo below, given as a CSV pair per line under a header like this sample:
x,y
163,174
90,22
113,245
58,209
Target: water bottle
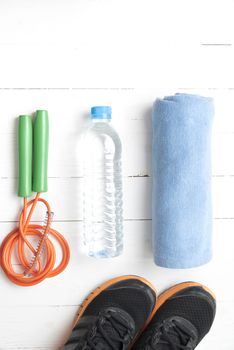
x,y
102,190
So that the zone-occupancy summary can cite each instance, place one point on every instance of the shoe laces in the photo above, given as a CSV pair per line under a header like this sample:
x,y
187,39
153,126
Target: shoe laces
x,y
174,334
111,330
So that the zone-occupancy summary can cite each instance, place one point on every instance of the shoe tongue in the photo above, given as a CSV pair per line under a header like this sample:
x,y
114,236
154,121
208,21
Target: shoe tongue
x,y
166,346
169,331
119,331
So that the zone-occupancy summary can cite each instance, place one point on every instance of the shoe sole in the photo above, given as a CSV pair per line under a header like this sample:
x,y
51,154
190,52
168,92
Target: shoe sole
x,y
168,293
109,283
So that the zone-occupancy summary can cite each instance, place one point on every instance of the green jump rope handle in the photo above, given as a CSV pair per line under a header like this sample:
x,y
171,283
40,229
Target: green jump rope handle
x,y
25,133
40,151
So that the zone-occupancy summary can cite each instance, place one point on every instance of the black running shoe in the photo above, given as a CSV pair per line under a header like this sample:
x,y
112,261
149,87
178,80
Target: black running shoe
x,y
184,315
113,315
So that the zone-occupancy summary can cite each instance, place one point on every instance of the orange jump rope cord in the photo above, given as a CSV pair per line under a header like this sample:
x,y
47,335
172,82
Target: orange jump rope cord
x,y
17,240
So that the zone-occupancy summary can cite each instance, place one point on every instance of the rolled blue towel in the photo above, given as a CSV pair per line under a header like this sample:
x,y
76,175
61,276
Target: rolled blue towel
x,y
182,208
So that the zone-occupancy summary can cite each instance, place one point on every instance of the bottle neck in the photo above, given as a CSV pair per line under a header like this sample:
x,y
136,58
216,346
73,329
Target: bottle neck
x,y
101,120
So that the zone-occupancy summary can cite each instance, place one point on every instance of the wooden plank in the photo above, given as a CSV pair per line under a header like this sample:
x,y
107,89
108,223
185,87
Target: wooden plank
x,y
71,287
65,159
63,52
65,197
132,116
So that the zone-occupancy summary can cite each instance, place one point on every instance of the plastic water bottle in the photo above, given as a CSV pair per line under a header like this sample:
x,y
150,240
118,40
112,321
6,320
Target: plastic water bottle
x,y
102,199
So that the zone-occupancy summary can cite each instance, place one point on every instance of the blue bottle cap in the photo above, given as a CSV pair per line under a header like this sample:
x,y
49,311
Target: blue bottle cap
x,y
101,112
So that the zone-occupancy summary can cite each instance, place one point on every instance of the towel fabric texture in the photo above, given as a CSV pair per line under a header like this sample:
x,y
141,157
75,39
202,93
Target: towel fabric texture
x,y
182,208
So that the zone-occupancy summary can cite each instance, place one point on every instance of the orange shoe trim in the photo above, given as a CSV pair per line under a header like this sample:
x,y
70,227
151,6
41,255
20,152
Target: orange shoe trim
x,y
168,293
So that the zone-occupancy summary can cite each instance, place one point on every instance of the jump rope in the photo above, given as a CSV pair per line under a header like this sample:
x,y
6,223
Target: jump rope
x,y
37,260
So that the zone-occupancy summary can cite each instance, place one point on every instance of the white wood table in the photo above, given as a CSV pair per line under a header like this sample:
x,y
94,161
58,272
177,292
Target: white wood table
x,y
68,55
